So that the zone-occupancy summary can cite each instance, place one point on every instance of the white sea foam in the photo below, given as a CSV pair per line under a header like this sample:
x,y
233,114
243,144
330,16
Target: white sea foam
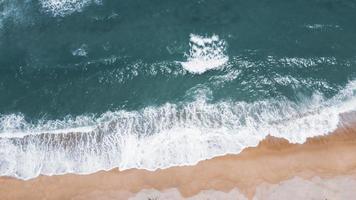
x,y
304,62
160,137
14,11
225,78
81,51
15,125
205,53
322,26
65,7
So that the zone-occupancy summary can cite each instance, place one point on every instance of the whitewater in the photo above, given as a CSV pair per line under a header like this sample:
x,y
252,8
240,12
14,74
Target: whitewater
x,y
161,137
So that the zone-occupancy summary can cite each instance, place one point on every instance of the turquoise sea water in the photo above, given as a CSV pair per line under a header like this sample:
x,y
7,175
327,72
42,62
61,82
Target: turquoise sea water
x,y
87,85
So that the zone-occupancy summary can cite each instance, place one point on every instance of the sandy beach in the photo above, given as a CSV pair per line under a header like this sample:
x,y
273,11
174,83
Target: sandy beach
x,y
324,166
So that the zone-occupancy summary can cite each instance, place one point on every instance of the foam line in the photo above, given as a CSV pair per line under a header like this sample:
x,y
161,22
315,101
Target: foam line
x,y
160,137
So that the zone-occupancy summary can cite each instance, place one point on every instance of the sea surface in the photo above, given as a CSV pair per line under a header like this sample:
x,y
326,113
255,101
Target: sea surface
x,y
88,85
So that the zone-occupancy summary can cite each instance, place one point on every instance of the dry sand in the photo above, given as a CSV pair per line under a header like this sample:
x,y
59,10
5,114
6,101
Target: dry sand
x,y
322,168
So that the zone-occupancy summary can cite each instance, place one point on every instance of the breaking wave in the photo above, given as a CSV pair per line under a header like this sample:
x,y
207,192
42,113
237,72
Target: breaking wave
x,y
160,137
205,53
61,8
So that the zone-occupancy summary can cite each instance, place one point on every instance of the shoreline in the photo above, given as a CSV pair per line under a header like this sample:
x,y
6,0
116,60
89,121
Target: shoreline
x,y
273,161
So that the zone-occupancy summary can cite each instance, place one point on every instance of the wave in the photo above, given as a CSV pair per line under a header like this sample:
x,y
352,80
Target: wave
x,y
160,137
15,11
322,26
61,8
205,53
81,51
23,12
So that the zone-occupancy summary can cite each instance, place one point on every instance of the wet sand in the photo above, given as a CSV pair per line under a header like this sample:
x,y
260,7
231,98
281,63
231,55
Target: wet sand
x,y
326,164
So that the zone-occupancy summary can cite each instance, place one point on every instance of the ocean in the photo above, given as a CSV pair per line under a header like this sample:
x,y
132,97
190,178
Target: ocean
x,y
89,85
